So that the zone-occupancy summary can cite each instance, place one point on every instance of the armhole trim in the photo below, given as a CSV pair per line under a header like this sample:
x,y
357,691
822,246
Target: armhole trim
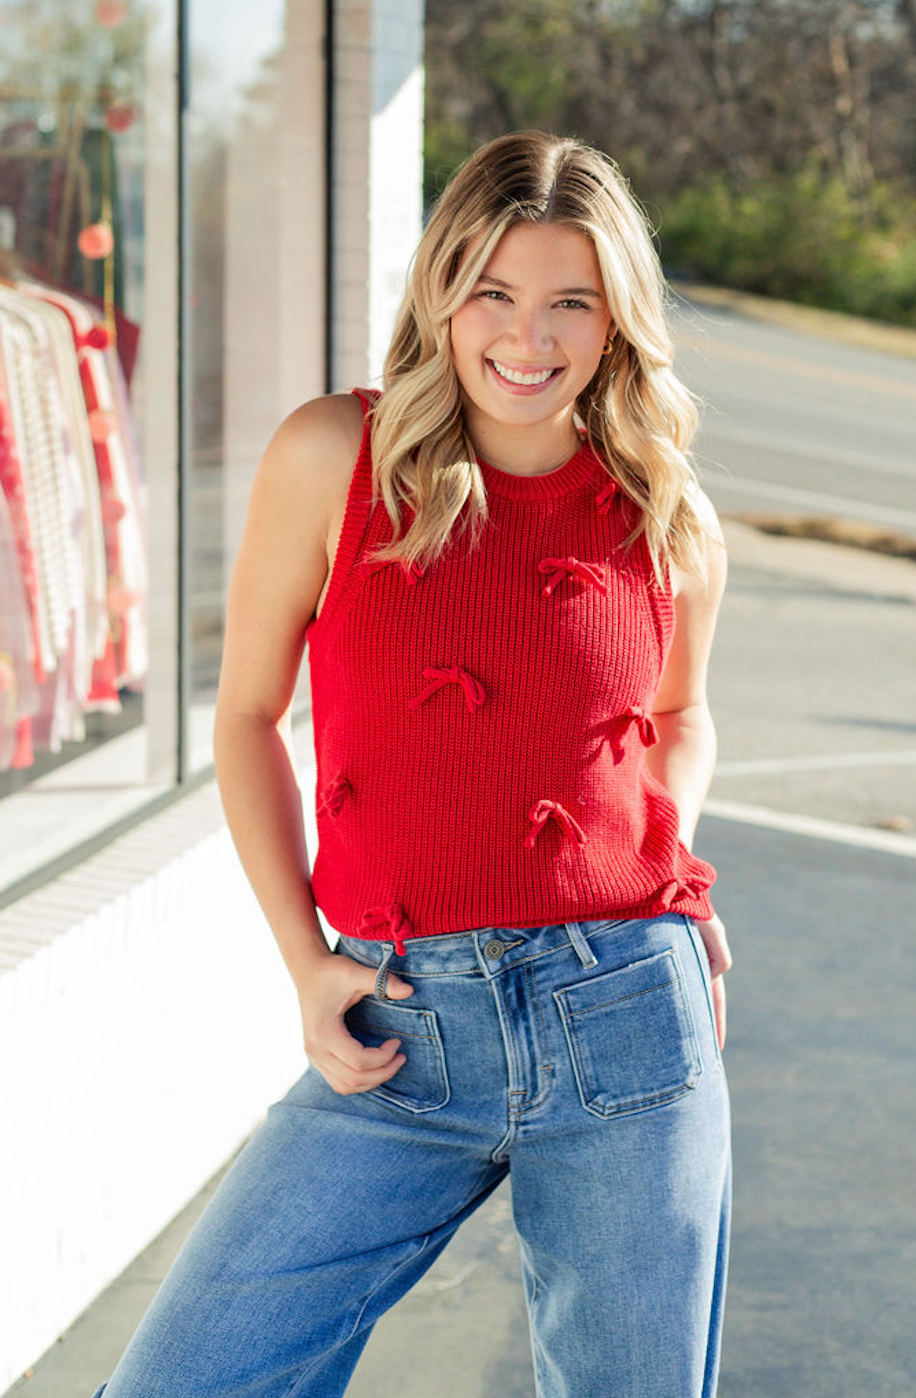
x,y
357,515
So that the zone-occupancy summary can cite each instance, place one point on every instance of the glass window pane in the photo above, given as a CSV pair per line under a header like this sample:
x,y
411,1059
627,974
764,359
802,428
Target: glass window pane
x,y
87,413
256,163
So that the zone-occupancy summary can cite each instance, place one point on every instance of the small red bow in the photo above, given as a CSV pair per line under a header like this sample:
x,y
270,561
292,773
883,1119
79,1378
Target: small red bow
x,y
556,569
474,692
542,811
393,919
647,730
605,497
334,797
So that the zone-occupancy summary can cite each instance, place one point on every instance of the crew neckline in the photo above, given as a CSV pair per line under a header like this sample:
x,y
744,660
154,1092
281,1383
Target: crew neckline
x,y
574,473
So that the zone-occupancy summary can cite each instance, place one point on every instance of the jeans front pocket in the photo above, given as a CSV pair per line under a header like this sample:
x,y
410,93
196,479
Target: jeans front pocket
x,y
421,1084
631,1036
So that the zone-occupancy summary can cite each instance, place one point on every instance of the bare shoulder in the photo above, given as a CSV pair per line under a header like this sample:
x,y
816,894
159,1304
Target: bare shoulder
x,y
709,584
705,511
316,447
297,502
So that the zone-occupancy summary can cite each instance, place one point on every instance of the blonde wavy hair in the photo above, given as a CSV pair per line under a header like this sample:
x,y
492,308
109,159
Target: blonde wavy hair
x,y
638,417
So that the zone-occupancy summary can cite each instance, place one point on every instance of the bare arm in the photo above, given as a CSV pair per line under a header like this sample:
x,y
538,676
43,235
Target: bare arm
x,y
294,513
684,756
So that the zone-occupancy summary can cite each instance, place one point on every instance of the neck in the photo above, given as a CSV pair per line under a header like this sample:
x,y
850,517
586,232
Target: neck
x,y
524,451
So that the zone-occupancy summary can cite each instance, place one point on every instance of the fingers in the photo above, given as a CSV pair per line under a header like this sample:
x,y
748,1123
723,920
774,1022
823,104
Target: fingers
x,y
719,956
718,1005
347,1065
375,1067
397,990
715,941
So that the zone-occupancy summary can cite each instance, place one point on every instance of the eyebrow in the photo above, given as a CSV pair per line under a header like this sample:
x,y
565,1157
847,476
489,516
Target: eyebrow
x,y
561,291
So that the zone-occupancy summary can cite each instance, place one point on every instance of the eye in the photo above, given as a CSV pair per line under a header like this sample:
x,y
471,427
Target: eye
x,y
490,293
572,303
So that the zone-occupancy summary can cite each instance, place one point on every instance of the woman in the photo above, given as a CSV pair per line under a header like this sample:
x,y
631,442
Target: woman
x,y
509,603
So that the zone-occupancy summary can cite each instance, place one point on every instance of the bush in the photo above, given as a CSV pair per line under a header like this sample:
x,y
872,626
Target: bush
x,y
799,237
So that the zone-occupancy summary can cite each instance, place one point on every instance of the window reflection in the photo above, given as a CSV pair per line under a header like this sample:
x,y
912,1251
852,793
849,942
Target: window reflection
x,y
257,189
74,646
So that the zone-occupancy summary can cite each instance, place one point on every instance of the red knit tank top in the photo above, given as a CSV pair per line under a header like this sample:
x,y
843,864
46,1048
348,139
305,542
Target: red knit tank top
x,y
481,729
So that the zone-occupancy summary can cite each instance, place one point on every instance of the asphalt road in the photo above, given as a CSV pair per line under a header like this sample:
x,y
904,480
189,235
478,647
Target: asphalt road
x,y
799,423
813,682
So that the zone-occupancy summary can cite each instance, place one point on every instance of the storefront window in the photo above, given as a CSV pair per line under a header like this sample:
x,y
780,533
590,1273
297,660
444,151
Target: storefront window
x,y
77,440
122,404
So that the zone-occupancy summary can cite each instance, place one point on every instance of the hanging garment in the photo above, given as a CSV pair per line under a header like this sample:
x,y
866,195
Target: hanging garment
x,y
18,688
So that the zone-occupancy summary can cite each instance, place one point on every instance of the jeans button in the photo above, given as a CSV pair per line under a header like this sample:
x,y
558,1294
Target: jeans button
x,y
494,949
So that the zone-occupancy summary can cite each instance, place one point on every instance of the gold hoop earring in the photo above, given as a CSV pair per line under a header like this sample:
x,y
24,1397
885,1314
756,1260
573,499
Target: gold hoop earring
x,y
608,345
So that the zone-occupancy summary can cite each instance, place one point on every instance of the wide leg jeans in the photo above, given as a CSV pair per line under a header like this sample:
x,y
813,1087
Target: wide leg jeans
x,y
580,1059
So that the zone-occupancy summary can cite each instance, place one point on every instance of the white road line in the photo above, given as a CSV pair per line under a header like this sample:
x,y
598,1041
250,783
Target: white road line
x,y
811,499
825,762
888,841
808,451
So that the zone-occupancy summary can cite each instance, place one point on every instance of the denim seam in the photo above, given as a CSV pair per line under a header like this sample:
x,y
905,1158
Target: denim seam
x,y
622,999
514,1072
693,936
525,1107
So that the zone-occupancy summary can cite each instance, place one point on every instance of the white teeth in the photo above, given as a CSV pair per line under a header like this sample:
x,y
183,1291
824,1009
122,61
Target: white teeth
x,y
516,376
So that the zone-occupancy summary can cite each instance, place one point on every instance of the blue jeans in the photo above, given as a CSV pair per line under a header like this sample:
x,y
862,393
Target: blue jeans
x,y
579,1059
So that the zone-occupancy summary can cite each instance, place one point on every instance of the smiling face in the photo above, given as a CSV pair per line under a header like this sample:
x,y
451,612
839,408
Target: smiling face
x,y
529,339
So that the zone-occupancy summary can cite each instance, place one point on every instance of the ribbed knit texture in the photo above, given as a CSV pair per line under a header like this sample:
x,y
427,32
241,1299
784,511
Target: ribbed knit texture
x,y
481,729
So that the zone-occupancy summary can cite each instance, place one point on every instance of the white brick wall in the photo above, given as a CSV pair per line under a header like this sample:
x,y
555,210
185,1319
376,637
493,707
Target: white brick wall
x,y
146,1022
378,152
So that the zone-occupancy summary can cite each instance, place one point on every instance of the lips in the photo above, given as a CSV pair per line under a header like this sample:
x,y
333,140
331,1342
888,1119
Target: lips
x,y
522,378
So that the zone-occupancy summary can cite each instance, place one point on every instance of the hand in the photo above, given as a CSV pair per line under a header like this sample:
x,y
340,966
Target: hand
x,y
334,984
720,961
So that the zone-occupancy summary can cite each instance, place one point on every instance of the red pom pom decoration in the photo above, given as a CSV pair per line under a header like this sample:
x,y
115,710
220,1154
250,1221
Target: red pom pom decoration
x,y
120,116
95,241
96,338
121,599
113,509
111,13
101,425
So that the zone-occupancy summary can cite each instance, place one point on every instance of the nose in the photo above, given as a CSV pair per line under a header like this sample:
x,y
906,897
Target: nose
x,y
530,331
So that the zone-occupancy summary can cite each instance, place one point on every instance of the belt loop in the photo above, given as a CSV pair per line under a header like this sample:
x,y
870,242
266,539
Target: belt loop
x,y
580,945
381,975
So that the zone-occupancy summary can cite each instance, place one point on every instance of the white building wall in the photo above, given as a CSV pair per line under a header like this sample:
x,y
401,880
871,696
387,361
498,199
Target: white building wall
x,y
378,60
146,1022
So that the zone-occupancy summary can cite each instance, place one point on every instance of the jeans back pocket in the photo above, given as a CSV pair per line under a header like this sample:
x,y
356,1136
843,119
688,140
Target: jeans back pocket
x,y
421,1084
631,1036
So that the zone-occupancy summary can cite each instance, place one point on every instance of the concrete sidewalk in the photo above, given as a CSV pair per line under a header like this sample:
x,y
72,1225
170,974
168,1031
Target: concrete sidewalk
x,y
823,1002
